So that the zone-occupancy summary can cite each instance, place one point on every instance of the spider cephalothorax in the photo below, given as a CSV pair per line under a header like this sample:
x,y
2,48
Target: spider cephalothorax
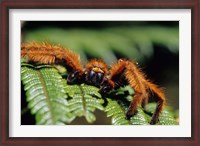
x,y
96,72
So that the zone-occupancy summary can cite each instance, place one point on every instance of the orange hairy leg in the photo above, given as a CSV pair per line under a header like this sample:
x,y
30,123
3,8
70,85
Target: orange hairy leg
x,y
53,54
126,72
161,100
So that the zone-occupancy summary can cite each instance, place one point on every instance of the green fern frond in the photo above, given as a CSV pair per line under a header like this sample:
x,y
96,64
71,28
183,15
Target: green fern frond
x,y
84,101
140,118
117,107
166,117
116,112
45,94
52,101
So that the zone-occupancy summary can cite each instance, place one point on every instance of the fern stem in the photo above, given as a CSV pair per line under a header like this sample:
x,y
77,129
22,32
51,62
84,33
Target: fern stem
x,y
83,99
46,94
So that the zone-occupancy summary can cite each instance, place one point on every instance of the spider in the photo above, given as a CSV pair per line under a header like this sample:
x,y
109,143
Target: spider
x,y
123,72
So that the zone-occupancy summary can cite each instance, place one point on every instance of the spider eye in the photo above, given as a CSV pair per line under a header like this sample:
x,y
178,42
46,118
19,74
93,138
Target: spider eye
x,y
91,75
72,77
100,77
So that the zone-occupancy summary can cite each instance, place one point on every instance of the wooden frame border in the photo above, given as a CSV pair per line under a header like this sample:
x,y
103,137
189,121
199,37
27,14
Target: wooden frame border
x,y
100,4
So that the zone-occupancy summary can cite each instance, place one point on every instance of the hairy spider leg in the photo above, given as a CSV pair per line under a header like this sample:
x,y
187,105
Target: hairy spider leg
x,y
161,100
126,72
53,54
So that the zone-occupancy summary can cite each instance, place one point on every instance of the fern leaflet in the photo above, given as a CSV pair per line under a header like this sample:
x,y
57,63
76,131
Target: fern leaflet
x,y
117,106
46,95
166,117
116,109
84,100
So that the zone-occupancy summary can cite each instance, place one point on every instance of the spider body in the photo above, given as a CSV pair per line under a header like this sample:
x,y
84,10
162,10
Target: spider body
x,y
96,72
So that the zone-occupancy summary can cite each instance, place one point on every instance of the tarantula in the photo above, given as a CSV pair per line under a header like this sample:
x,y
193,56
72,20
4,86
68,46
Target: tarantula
x,y
96,72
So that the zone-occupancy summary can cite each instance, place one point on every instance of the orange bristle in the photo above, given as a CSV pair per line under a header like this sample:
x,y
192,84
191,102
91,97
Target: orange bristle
x,y
137,80
97,63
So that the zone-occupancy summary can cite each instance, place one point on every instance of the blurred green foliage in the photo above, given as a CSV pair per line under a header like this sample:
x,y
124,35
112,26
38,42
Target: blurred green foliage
x,y
133,42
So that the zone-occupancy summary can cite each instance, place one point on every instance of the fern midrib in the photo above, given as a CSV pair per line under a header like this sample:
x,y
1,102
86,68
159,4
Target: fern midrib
x,y
46,94
83,99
